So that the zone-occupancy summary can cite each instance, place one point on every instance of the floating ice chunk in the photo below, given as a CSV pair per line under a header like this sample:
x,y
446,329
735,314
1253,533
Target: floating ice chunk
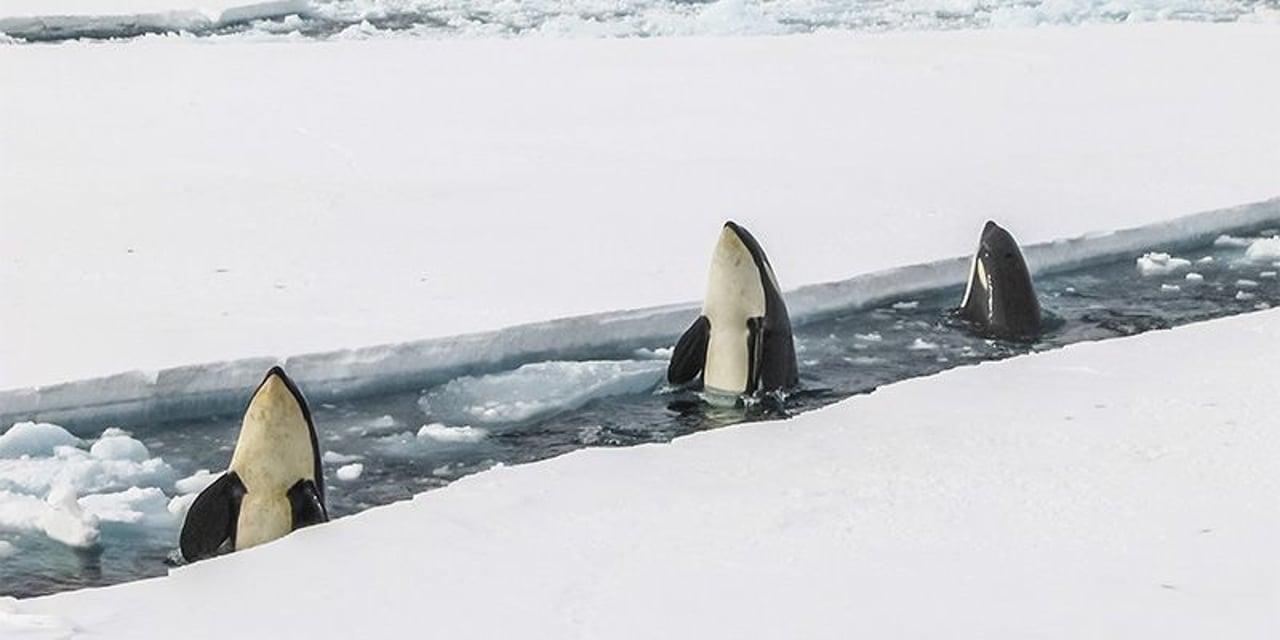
x,y
1246,284
1244,295
869,337
333,457
920,344
1170,287
539,389
383,422
1159,264
350,472
1267,274
34,439
179,504
135,505
1194,277
1263,249
906,305
442,433
1205,260
118,445
196,482
663,353
6,548
66,522
1232,241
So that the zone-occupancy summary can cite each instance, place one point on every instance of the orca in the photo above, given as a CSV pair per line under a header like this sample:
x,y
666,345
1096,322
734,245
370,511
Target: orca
x,y
1000,301
274,483
741,343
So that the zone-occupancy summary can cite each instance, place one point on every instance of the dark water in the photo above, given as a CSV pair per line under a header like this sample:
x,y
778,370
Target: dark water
x,y
843,356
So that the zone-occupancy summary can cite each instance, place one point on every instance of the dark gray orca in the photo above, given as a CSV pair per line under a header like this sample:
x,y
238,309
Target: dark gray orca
x,y
1000,301
274,484
741,343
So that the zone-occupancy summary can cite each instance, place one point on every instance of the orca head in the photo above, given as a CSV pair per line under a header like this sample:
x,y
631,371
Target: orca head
x,y
1000,296
276,434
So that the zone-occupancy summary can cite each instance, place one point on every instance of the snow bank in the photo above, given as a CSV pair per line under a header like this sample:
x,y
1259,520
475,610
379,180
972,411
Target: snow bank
x,y
50,485
1085,497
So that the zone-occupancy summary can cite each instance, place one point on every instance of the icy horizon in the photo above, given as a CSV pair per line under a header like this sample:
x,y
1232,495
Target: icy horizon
x,y
364,19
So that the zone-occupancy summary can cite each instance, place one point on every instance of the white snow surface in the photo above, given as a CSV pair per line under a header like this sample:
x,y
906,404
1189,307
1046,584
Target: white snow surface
x,y
1068,494
446,188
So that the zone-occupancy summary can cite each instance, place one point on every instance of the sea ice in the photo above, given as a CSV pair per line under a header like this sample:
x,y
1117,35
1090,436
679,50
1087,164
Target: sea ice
x,y
1267,274
920,344
350,472
1170,287
1246,284
34,439
536,390
1263,249
442,433
1245,295
50,484
1160,264
1194,277
333,457
196,482
6,548
1232,241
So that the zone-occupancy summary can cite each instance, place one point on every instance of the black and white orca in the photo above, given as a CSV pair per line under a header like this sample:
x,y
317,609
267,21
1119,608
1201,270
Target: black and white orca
x,y
274,484
741,343
1000,301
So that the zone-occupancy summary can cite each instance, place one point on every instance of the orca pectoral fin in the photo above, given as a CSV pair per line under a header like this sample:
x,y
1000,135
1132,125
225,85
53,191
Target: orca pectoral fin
x,y
211,520
690,354
308,508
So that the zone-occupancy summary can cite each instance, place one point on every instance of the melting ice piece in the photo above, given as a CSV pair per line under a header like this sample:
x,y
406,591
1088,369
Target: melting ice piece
x,y
1264,249
350,472
1160,264
537,390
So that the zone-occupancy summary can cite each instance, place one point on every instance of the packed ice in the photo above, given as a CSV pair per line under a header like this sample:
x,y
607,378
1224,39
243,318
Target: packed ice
x,y
364,19
56,485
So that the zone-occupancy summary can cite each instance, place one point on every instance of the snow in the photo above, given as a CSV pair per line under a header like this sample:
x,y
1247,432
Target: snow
x,y
1161,264
538,389
350,472
408,216
1084,497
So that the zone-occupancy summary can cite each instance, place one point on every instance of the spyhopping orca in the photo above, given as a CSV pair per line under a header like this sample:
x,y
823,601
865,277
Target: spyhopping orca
x,y
742,341
274,484
1000,300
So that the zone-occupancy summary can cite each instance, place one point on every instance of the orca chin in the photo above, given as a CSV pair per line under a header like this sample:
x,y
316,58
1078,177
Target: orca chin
x,y
742,341
1000,300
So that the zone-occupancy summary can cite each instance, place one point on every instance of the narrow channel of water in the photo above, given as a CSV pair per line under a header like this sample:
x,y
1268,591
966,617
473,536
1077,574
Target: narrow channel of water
x,y
409,443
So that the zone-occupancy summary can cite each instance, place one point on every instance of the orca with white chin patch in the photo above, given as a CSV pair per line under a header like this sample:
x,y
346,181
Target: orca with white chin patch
x,y
1000,301
274,484
741,343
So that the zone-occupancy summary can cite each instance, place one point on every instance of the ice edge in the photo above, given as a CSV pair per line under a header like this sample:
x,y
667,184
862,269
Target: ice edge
x,y
200,390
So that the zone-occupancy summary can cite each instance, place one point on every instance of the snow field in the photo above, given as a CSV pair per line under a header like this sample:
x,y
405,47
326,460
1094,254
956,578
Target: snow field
x,y
1066,494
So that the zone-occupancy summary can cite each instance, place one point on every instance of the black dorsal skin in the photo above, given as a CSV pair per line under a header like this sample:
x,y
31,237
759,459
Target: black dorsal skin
x,y
774,363
1001,300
